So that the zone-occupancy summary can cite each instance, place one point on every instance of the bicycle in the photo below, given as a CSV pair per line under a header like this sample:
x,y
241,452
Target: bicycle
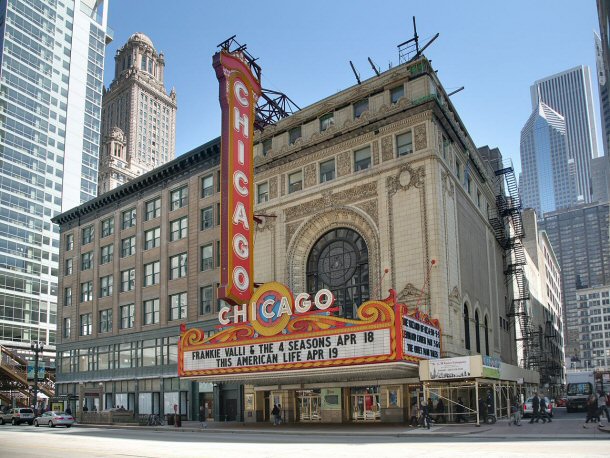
x,y
155,420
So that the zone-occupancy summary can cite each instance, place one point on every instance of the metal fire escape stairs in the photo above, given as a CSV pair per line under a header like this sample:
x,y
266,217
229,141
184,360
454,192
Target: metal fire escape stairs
x,y
507,225
14,382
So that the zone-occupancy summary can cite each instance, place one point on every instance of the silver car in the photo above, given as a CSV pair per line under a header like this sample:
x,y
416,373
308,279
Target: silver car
x,y
53,419
528,410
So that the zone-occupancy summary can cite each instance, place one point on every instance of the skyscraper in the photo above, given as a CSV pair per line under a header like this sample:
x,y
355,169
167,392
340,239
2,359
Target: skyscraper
x,y
49,144
569,93
547,181
602,54
138,115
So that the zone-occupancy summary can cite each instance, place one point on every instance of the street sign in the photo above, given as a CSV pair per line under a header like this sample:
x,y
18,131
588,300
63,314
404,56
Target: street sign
x,y
41,368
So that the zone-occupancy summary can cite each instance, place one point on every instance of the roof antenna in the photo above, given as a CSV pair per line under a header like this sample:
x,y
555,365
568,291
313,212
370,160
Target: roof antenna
x,y
455,92
409,50
356,74
375,68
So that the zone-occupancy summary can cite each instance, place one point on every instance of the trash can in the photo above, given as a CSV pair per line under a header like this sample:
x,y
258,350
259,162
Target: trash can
x,y
170,419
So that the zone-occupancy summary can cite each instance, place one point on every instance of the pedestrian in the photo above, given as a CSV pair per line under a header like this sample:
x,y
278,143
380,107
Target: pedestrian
x,y
440,411
543,413
591,409
536,409
425,414
459,409
602,408
414,411
515,410
68,410
482,411
85,408
202,416
276,415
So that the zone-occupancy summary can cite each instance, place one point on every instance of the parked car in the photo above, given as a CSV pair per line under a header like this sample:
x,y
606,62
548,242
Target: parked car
x,y
17,416
561,402
53,419
528,410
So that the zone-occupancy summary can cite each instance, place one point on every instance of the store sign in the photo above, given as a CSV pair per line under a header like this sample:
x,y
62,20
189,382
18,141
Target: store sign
x,y
449,368
491,366
421,339
239,91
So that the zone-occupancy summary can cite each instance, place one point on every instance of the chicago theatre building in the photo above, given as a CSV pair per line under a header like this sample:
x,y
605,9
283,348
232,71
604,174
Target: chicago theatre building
x,y
375,196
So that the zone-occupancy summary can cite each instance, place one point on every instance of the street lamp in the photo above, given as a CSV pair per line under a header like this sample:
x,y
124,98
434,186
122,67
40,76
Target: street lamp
x,y
37,348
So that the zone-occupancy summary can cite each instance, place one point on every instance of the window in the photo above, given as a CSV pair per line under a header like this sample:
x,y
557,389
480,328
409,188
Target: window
x,y
468,182
294,134
107,227
86,291
207,257
128,280
69,267
478,198
152,238
207,186
106,286
106,253
445,146
262,192
105,320
327,121
128,246
66,327
458,169
327,170
153,209
178,229
151,311
127,316
69,242
86,260
295,181
178,198
128,218
88,233
85,324
404,144
477,331
396,93
207,218
67,296
206,297
360,107
177,306
177,266
362,159
266,146
486,337
152,273
466,328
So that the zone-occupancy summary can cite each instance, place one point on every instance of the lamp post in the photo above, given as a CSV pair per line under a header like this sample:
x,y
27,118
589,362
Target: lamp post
x,y
37,348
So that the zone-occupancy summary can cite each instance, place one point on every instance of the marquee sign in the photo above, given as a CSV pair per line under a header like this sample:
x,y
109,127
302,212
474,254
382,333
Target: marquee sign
x,y
239,91
278,332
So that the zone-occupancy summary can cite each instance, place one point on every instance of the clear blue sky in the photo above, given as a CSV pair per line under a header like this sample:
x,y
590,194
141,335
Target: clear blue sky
x,y
495,49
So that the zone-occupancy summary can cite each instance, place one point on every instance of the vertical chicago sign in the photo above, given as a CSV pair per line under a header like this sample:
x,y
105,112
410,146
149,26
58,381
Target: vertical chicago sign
x,y
239,91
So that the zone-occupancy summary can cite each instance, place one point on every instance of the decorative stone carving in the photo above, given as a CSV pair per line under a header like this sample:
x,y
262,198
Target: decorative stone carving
x,y
375,152
273,188
448,183
290,230
406,178
387,152
455,293
283,185
409,292
370,208
421,141
310,175
344,165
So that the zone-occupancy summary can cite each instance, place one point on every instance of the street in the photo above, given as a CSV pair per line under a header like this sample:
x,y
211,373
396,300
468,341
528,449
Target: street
x,y
564,437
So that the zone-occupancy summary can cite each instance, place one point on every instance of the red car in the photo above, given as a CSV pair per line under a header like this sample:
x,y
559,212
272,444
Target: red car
x,y
561,402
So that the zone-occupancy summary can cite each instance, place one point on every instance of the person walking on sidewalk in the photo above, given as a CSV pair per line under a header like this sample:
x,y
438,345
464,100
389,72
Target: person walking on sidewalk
x,y
459,410
536,409
276,415
602,408
543,413
515,410
591,409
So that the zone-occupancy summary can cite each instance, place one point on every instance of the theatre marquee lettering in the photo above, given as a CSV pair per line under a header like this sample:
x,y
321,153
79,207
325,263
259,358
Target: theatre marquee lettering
x,y
420,339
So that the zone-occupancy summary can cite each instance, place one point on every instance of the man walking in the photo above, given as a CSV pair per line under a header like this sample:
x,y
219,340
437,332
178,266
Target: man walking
x,y
536,409
602,408
543,413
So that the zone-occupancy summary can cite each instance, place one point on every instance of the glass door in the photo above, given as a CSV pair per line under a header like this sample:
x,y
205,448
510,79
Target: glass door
x,y
309,405
365,404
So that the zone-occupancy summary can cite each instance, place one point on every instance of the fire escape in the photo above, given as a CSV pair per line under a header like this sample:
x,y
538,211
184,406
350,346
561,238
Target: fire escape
x,y
507,225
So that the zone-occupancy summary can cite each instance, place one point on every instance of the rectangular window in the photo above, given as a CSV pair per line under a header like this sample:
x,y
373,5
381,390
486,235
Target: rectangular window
x,y
362,159
88,233
106,253
153,209
266,146
69,270
206,298
66,327
178,229
152,273
295,181
177,266
327,121
151,311
177,306
360,107
327,170
127,316
86,260
404,143
69,242
105,320
85,324
86,291
294,134
207,218
262,192
458,169
128,218
106,286
396,93
207,257
152,238
178,198
67,296
107,227
207,186
128,280
445,146
128,246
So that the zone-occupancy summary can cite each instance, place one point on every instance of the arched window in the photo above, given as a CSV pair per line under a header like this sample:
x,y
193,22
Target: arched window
x,y
486,337
339,261
466,328
477,331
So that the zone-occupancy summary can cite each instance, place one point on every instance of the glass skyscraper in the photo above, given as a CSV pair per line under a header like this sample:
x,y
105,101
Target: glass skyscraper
x,y
52,60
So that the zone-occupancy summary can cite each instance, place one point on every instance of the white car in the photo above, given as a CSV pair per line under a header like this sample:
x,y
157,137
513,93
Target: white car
x,y
17,416
528,410
53,419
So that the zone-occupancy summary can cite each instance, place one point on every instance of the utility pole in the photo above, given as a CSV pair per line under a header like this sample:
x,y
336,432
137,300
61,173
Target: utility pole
x,y
37,348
